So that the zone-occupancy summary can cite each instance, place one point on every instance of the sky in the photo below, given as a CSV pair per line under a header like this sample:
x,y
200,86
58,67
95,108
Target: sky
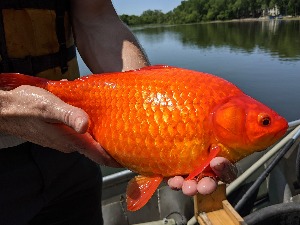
x,y
137,7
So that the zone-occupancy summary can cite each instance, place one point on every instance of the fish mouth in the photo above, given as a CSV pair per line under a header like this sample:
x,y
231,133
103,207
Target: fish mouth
x,y
274,137
282,131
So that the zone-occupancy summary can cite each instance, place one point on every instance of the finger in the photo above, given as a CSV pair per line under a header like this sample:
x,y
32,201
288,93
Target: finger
x,y
60,112
72,116
189,187
53,109
206,186
93,150
67,140
224,169
86,145
176,182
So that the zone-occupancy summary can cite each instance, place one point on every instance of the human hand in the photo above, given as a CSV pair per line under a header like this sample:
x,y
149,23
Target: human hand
x,y
223,169
40,117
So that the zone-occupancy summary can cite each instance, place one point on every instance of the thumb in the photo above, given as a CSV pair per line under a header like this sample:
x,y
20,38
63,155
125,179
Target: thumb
x,y
79,122
93,150
224,169
72,116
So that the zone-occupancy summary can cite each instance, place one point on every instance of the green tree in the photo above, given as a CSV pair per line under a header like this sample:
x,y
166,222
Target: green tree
x,y
194,11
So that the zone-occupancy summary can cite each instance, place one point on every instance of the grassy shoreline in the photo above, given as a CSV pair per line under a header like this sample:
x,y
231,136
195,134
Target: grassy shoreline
x,y
285,18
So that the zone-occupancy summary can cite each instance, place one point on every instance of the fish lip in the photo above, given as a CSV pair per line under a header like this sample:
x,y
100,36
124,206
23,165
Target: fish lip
x,y
281,133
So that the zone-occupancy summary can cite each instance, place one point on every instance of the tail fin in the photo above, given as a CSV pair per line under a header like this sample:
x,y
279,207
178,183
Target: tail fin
x,y
9,81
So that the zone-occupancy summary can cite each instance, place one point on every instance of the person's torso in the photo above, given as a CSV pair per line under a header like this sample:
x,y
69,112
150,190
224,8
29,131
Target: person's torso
x,y
36,39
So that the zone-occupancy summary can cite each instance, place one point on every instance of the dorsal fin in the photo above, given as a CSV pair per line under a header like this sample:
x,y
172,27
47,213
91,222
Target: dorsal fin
x,y
154,67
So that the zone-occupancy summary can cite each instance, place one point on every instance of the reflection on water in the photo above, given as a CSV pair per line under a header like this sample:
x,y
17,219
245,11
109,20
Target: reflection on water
x,y
281,38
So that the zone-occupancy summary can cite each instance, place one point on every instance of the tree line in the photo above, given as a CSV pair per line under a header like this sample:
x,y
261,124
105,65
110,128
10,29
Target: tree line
x,y
193,11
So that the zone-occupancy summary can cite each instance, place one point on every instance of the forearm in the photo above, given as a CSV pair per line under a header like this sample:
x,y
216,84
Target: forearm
x,y
6,139
104,42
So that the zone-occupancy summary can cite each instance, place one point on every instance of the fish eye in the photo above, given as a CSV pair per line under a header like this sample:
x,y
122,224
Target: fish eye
x,y
264,119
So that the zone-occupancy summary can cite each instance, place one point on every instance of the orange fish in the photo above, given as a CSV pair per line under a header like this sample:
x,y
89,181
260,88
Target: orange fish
x,y
163,121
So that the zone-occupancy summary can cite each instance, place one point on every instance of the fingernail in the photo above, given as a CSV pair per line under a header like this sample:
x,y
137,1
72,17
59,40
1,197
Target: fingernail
x,y
189,187
176,182
78,122
206,186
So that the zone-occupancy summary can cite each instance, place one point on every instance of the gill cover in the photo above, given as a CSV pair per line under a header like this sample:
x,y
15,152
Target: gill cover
x,y
245,125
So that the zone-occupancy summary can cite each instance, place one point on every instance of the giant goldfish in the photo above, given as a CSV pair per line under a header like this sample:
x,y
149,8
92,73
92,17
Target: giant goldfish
x,y
163,121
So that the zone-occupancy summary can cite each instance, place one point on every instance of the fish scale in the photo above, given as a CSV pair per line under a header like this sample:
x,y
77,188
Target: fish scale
x,y
164,121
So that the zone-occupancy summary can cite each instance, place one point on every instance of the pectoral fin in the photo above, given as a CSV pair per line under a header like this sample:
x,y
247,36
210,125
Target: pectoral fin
x,y
140,189
214,151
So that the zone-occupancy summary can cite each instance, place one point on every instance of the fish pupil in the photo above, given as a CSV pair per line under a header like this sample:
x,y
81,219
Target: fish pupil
x,y
266,121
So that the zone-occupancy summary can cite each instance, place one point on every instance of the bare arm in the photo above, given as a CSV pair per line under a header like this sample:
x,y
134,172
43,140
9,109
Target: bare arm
x,y
104,42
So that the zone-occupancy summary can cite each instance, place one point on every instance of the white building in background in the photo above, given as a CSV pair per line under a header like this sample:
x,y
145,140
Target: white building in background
x,y
271,12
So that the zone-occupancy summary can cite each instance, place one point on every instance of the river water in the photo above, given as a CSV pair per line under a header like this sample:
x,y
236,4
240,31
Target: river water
x,y
261,57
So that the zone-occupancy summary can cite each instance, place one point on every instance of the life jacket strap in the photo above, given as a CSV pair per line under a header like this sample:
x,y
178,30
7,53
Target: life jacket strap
x,y
32,65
